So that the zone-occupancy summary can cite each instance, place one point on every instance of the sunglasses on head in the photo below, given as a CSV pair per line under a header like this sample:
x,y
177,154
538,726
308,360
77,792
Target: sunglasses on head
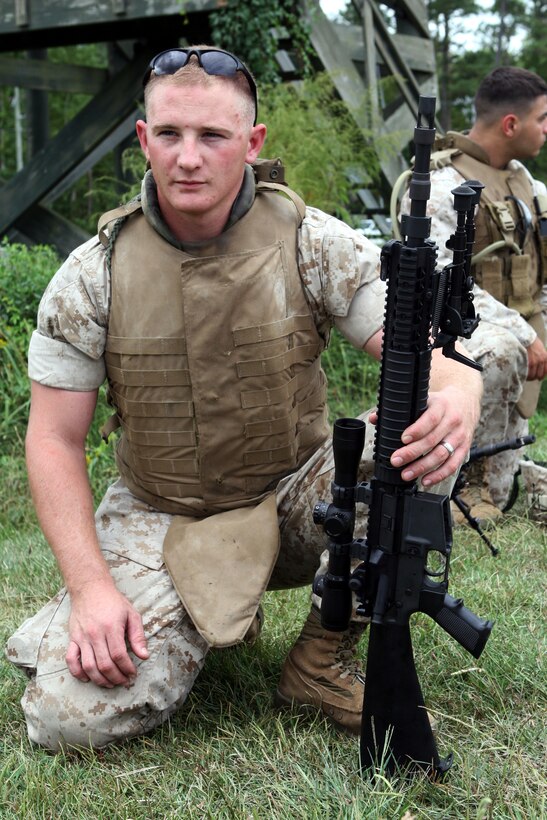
x,y
212,60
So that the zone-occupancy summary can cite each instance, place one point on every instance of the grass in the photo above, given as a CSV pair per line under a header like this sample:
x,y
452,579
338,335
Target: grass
x,y
229,754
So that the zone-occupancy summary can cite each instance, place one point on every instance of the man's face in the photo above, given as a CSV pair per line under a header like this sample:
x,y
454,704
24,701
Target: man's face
x,y
532,130
197,140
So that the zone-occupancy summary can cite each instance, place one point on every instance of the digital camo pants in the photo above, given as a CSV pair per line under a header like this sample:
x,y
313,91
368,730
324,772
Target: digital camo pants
x,y
59,709
505,365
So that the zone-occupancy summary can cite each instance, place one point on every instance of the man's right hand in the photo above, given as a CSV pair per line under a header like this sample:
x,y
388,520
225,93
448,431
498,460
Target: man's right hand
x,y
103,627
537,360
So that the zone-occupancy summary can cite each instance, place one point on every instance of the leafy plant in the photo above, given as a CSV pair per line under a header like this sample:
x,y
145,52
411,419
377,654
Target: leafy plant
x,y
24,274
319,142
248,29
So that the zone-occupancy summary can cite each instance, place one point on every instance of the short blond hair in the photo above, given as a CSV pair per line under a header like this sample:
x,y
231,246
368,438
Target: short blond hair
x,y
192,74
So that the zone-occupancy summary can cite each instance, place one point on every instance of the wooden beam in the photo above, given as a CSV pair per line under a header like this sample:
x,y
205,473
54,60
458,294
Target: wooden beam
x,y
42,226
37,15
337,61
358,41
120,134
415,12
74,142
44,75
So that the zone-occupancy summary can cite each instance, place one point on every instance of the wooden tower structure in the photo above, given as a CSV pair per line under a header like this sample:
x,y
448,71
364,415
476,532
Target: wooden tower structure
x,y
356,56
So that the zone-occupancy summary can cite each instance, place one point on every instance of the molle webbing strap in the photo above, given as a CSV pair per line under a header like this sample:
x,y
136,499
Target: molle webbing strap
x,y
144,346
163,438
272,331
163,489
150,378
274,427
165,410
275,364
167,466
265,398
273,456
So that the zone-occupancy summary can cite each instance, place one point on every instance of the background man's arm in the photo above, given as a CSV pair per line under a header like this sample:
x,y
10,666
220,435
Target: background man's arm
x,y
101,617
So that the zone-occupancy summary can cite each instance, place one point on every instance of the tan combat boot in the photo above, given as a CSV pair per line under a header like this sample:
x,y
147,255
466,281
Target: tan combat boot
x,y
476,496
321,672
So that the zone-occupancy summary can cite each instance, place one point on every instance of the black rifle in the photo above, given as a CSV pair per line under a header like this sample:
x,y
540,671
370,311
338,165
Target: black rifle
x,y
475,454
424,309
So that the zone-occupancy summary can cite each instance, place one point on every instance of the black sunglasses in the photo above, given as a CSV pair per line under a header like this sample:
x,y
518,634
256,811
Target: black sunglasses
x,y
212,60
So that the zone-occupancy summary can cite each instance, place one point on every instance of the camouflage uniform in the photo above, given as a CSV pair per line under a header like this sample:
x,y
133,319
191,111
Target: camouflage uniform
x,y
499,344
66,352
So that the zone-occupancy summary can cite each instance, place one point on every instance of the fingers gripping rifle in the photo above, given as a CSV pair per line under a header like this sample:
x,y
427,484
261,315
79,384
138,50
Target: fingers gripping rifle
x,y
406,527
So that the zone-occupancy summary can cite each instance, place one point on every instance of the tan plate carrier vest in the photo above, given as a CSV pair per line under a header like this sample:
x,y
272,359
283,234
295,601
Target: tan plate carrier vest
x,y
213,364
512,274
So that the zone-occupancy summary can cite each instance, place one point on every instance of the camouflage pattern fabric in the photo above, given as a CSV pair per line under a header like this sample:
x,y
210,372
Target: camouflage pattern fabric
x,y
505,366
534,478
63,711
339,269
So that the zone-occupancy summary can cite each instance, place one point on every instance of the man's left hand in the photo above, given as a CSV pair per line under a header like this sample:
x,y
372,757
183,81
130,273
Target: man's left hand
x,y
451,417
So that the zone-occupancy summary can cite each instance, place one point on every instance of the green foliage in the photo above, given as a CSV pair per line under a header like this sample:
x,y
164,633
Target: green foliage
x,y
352,378
24,274
466,71
229,754
246,30
318,141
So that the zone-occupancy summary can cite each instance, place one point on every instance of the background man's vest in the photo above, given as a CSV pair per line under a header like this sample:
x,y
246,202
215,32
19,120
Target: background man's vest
x,y
213,361
513,270
512,274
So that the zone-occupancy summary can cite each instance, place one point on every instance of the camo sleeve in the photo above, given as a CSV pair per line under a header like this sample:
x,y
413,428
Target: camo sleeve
x,y
339,268
443,224
66,349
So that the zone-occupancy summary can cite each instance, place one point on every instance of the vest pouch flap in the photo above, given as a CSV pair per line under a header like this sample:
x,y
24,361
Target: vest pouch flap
x,y
521,297
489,276
221,565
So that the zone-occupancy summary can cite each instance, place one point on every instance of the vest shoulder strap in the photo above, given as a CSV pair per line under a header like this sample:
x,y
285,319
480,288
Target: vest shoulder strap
x,y
270,176
121,212
284,190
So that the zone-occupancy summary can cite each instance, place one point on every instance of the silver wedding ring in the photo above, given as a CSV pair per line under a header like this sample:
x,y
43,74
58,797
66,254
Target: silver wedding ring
x,y
447,446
